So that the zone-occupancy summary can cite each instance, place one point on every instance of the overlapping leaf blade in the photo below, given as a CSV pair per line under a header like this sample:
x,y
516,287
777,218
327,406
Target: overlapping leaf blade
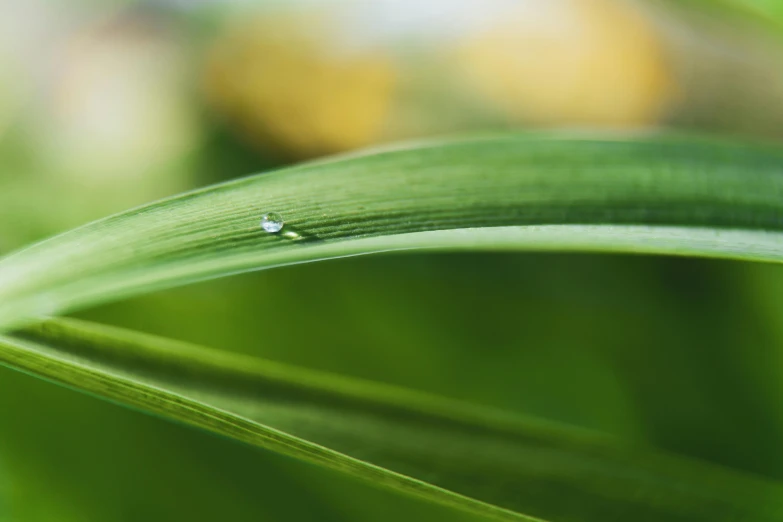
x,y
643,194
468,458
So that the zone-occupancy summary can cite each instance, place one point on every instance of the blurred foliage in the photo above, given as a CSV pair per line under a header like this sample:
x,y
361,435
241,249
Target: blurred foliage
x,y
771,8
643,348
123,104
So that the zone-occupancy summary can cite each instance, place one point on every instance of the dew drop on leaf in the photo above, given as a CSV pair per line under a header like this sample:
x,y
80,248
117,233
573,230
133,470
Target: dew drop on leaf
x,y
272,222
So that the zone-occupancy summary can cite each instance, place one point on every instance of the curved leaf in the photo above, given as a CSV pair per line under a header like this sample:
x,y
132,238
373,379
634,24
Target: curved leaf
x,y
643,194
485,462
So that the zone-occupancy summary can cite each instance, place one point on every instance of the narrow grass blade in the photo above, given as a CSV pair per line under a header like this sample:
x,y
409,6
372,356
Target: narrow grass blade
x,y
485,462
634,194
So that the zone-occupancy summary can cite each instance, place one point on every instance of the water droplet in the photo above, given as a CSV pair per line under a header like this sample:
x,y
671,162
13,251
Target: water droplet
x,y
272,222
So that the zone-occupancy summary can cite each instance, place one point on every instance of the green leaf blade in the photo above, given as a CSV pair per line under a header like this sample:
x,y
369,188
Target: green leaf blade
x,y
484,462
641,194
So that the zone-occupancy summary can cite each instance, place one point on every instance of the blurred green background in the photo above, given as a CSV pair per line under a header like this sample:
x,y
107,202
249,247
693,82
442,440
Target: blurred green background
x,y
106,105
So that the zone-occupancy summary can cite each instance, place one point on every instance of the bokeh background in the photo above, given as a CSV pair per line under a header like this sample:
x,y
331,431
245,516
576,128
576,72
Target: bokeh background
x,y
109,104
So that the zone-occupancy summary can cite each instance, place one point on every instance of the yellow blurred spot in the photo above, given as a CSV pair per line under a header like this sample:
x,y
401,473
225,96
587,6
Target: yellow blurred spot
x,y
571,61
282,79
